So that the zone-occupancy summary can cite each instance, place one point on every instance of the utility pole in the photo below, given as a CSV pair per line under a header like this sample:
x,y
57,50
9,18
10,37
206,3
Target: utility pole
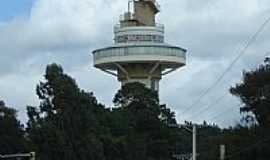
x,y
33,155
194,143
194,137
222,152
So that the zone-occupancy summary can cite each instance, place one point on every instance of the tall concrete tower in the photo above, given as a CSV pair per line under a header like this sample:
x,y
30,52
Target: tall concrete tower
x,y
139,53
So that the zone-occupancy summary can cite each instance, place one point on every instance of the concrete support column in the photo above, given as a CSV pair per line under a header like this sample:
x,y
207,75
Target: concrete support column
x,y
148,74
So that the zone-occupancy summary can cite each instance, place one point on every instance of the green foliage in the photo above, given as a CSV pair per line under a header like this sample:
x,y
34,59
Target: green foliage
x,y
11,132
71,124
66,125
245,143
138,124
136,94
254,92
208,140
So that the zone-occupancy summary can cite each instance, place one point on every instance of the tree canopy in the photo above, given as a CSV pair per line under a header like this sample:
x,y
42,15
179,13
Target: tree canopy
x,y
254,92
70,124
148,135
11,131
66,124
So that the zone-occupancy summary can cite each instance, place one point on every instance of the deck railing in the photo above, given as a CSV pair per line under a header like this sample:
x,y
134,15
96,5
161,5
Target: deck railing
x,y
158,26
139,50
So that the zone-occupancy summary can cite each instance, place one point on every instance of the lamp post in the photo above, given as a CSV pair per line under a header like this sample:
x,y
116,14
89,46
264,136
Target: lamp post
x,y
194,148
194,137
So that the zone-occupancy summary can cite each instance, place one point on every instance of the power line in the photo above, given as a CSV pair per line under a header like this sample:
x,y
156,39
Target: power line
x,y
223,112
220,98
218,116
209,106
242,52
231,119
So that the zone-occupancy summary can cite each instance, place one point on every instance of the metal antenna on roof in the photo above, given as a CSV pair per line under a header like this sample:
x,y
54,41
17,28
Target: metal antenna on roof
x,y
129,5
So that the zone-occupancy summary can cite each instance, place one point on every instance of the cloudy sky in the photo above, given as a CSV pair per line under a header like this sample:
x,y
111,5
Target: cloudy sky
x,y
34,33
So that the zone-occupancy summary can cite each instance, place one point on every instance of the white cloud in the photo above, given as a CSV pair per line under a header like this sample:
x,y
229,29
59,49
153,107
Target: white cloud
x,y
66,31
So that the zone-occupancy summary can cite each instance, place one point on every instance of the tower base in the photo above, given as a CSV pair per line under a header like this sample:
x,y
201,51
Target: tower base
x,y
149,83
146,73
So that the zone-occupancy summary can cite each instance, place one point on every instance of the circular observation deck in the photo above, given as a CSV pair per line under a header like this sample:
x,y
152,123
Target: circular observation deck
x,y
139,44
167,56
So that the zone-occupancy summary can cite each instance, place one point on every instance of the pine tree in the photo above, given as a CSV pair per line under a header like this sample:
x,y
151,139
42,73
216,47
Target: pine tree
x,y
66,125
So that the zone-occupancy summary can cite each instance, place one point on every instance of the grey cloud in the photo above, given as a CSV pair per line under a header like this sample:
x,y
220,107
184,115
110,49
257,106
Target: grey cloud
x,y
216,31
48,31
67,31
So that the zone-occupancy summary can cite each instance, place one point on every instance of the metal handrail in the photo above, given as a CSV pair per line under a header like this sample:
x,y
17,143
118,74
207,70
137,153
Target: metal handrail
x,y
157,25
139,50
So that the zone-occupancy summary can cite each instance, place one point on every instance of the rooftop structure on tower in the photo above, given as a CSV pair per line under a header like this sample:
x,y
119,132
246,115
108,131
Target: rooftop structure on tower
x,y
139,53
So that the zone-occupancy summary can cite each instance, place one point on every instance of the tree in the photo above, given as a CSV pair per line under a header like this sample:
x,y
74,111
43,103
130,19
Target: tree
x,y
11,132
254,92
66,125
70,124
142,121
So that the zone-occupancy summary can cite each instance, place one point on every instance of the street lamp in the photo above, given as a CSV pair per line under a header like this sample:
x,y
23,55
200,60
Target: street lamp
x,y
194,133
